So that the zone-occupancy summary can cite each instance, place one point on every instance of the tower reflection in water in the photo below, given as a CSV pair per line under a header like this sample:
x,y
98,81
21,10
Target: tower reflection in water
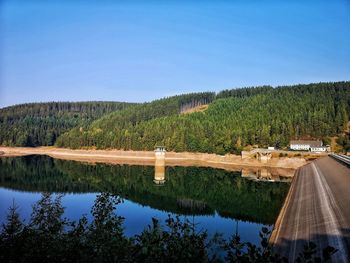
x,y
159,166
159,175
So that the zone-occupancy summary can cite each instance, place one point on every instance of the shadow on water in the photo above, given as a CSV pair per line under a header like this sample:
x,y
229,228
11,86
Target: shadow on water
x,y
184,190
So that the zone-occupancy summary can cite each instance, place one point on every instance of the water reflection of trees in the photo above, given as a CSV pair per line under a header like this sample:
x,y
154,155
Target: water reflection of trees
x,y
226,192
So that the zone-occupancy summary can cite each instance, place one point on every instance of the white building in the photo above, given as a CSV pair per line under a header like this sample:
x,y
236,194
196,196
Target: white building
x,y
319,149
313,146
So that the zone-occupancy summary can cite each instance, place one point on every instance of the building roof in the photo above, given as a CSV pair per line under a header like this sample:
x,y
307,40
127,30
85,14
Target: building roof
x,y
160,148
304,142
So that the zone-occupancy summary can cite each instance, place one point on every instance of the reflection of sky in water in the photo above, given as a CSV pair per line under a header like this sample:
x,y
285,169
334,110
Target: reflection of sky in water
x,y
137,217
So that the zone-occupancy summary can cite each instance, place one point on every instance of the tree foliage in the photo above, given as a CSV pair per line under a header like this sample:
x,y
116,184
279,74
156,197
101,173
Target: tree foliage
x,y
252,116
37,124
51,238
235,118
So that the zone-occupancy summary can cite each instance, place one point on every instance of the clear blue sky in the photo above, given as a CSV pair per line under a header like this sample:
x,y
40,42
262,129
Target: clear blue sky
x,y
133,51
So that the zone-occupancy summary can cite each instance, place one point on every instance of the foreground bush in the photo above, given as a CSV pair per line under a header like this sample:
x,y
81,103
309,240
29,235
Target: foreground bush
x,y
48,237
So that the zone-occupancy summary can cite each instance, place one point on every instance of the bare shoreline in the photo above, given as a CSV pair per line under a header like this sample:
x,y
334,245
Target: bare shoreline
x,y
227,162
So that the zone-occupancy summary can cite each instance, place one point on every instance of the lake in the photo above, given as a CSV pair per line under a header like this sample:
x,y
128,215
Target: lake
x,y
215,200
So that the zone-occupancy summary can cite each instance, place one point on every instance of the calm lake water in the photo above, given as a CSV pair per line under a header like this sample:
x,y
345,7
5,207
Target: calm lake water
x,y
216,200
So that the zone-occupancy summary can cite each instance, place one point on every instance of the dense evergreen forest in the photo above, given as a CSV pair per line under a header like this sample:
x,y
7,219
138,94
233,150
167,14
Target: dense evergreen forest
x,y
263,116
36,124
116,126
49,237
235,118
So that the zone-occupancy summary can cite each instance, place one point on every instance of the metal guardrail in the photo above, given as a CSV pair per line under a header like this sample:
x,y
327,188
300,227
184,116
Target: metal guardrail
x,y
342,158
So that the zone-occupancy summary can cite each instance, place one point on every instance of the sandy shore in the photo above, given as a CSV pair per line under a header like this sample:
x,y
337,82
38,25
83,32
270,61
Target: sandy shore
x,y
228,162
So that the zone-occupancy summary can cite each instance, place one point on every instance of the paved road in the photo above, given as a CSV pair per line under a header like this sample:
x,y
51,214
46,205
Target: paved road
x,y
317,209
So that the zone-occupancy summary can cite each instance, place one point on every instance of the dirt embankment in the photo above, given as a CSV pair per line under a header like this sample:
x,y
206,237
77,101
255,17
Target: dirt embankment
x,y
196,109
228,162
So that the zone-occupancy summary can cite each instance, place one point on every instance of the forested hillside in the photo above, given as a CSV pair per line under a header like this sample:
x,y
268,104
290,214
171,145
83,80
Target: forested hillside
x,y
36,124
251,116
116,126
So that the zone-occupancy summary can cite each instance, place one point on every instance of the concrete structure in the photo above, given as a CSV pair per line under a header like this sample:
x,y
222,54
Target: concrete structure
x,y
317,210
246,154
344,159
303,145
264,157
160,156
271,148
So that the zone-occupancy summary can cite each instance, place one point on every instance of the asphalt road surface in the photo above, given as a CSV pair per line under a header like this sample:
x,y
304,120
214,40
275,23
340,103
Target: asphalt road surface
x,y
317,210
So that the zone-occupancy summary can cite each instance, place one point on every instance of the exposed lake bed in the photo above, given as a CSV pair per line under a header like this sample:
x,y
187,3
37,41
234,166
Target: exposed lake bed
x,y
227,162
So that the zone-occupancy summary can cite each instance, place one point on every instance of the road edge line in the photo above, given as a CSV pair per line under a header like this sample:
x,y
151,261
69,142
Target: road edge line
x,y
279,220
